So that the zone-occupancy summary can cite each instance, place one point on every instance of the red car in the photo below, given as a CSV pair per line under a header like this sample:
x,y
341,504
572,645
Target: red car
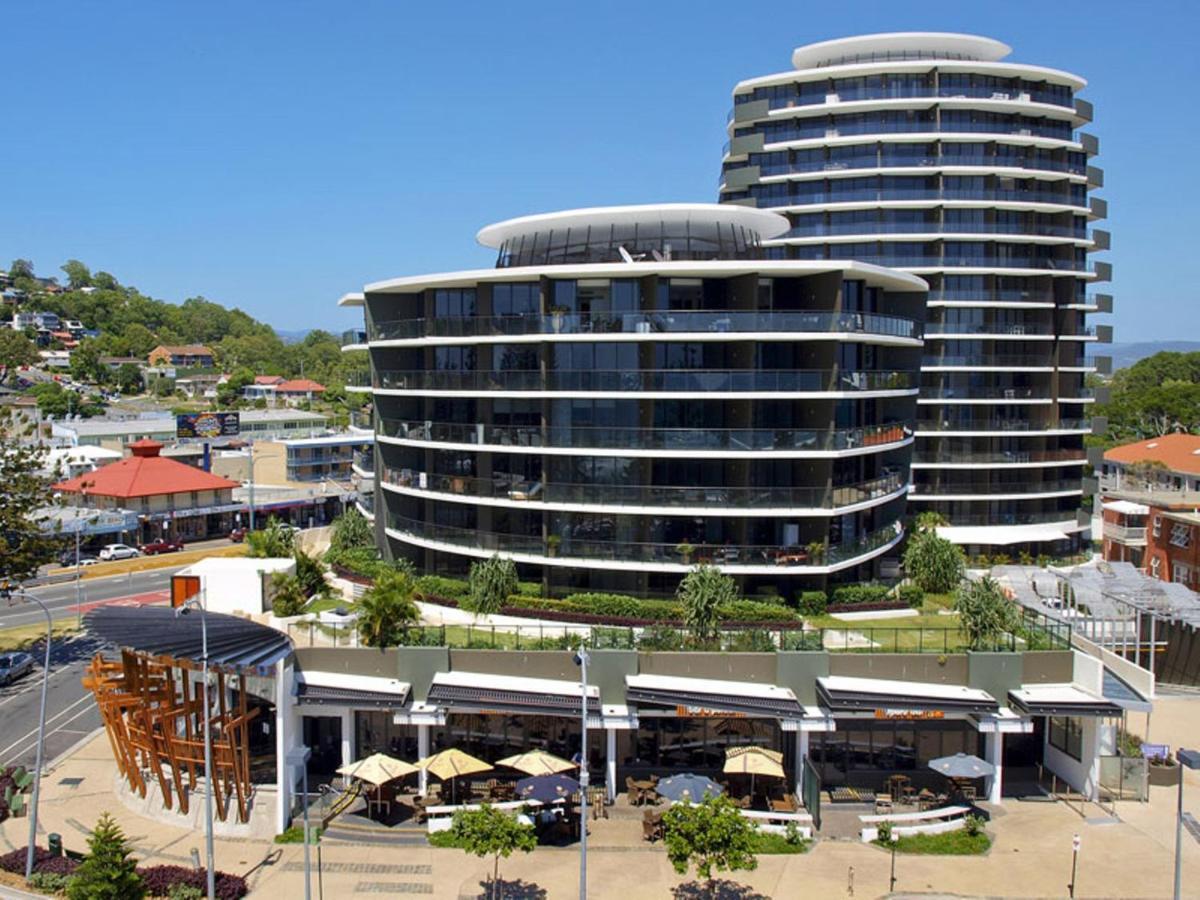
x,y
237,535
161,547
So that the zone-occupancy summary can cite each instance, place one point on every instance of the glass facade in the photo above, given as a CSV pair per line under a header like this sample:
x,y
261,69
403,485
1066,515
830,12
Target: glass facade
x,y
861,752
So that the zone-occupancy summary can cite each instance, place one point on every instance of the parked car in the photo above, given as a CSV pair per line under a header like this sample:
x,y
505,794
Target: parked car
x,y
13,666
237,535
67,559
118,551
160,546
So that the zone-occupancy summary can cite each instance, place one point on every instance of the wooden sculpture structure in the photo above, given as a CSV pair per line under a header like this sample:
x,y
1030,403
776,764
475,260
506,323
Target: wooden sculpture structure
x,y
153,712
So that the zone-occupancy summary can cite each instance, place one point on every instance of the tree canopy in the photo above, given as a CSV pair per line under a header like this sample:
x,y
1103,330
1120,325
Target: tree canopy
x,y
488,831
1155,396
710,835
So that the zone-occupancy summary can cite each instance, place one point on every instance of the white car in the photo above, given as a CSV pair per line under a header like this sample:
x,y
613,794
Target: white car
x,y
118,551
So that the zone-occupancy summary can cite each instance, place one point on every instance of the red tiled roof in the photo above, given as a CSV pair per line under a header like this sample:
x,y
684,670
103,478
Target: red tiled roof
x,y
1178,452
268,379
299,386
145,474
182,350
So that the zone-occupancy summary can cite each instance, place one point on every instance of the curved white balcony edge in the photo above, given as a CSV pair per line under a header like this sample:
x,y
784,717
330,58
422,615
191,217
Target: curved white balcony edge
x,y
927,236
882,67
925,367
1030,495
368,514
652,395
923,203
909,137
1004,535
857,337
632,510
988,336
991,104
993,304
868,171
646,453
987,401
1048,432
1031,464
629,566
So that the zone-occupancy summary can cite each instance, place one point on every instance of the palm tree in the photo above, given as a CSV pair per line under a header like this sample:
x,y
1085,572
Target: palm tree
x,y
387,608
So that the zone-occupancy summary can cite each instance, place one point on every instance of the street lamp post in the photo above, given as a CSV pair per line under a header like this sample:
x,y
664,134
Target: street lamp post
x,y
1188,759
1075,842
581,659
41,743
893,839
209,783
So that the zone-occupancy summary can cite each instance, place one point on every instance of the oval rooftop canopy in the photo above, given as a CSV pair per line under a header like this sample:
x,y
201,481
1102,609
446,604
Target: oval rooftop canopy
x,y
673,217
897,45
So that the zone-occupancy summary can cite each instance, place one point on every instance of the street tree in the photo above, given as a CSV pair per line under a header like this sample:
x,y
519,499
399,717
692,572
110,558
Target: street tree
x,y
710,835
129,379
702,592
489,585
275,541
387,609
25,546
488,831
985,614
109,871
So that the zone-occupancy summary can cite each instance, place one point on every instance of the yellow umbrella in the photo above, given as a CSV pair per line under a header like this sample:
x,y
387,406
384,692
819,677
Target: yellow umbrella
x,y
378,769
450,764
754,761
537,762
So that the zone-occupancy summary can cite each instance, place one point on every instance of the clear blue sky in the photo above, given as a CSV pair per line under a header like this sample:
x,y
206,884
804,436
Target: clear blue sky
x,y
273,155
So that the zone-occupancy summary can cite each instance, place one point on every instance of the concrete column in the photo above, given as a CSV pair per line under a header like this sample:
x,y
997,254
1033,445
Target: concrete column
x,y
610,763
348,747
801,756
283,742
422,752
995,754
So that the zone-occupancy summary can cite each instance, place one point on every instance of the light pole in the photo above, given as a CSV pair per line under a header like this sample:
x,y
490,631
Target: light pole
x,y
581,660
41,744
1075,842
893,839
83,489
1188,759
209,782
299,757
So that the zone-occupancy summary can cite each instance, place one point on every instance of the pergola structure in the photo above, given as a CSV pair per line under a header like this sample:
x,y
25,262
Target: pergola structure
x,y
152,702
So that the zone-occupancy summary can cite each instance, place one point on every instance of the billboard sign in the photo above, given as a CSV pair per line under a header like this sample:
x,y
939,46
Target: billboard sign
x,y
207,425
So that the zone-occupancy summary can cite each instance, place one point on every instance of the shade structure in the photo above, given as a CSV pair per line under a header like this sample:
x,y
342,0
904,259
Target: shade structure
x,y
962,765
537,762
754,761
547,788
688,786
452,763
378,769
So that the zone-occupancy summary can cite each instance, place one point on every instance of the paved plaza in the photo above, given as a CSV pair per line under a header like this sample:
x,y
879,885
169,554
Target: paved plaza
x,y
1031,857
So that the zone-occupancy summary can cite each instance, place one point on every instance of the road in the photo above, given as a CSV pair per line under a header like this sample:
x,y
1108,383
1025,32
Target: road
x,y
60,598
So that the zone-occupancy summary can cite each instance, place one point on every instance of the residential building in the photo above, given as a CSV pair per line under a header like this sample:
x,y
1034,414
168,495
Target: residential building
x,y
326,457
70,462
299,390
934,154
188,356
632,390
262,388
46,321
23,320
112,363
256,424
172,500
1170,462
202,386
55,359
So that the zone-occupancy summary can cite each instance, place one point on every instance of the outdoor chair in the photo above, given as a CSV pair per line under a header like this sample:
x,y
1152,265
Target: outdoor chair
x,y
633,791
651,825
968,792
883,804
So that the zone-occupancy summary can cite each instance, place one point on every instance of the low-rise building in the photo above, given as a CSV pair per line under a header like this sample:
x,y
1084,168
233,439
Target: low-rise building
x,y
71,462
187,356
298,390
256,424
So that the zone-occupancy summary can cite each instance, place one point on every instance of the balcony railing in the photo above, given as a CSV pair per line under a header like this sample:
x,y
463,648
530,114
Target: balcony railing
x,y
1125,534
998,392
526,490
884,194
1003,425
882,436
869,228
667,321
986,360
365,461
1029,485
1013,518
874,161
783,556
1008,457
645,380
936,329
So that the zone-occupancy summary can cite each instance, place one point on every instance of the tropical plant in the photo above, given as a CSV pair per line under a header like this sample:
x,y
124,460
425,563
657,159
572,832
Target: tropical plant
x,y
108,872
287,595
489,585
702,592
929,520
387,609
350,531
973,825
933,563
273,542
310,572
816,551
984,614
488,831
711,835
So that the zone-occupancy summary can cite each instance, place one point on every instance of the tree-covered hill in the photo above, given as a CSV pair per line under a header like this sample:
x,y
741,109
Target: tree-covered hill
x,y
1154,396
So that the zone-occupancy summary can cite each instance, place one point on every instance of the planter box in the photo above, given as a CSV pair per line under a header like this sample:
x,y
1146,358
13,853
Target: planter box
x,y
1165,776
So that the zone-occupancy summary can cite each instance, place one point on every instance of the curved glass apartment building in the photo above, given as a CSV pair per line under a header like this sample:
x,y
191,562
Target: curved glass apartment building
x,y
633,390
931,154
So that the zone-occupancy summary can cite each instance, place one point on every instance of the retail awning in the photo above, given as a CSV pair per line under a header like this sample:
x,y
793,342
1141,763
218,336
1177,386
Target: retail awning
x,y
340,689
901,699
1127,507
1060,700
702,696
484,692
1121,692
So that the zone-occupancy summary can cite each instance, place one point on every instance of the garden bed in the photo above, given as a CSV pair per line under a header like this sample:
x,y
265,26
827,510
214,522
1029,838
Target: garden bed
x,y
948,843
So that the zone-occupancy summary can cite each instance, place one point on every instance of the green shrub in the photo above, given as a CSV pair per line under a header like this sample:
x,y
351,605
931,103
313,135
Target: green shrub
x,y
801,640
814,603
973,825
50,882
769,843
755,611
490,584
529,588
181,891
933,562
623,606
751,641
911,594
310,571
362,561
108,872
660,637
861,593
287,595
446,588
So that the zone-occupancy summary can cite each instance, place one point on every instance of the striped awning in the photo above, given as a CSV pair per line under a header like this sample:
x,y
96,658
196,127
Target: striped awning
x,y
704,696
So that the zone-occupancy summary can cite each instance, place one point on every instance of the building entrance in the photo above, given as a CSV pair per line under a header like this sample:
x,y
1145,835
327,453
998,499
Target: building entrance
x,y
323,734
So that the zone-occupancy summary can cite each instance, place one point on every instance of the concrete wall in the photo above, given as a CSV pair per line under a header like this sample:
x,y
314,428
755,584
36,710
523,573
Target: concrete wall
x,y
901,667
755,667
1048,667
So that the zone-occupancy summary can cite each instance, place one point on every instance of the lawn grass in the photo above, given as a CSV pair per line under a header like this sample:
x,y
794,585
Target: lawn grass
x,y
949,843
766,842
22,637
328,604
926,633
936,602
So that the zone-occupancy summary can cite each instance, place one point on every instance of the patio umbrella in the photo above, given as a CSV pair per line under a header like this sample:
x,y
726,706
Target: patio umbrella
x,y
962,765
450,764
547,788
378,769
537,762
754,761
689,787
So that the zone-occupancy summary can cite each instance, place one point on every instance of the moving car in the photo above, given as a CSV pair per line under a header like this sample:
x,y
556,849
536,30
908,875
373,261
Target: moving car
x,y
237,535
161,546
118,551
13,666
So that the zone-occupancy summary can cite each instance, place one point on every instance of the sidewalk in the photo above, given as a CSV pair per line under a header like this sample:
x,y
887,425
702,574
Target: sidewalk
x,y
1031,856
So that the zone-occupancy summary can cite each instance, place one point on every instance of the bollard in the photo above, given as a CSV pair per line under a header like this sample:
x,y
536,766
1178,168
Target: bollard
x,y
54,843
196,858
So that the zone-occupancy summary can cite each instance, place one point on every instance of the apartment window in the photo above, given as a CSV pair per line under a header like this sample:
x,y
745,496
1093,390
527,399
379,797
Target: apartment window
x,y
1158,526
1066,734
1181,574
195,498
1181,534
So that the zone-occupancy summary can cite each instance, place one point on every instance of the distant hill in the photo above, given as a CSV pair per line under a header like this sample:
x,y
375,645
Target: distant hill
x,y
292,337
1125,355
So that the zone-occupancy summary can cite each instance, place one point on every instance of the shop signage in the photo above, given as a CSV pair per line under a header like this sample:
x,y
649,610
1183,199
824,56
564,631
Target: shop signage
x,y
700,712
909,714
207,425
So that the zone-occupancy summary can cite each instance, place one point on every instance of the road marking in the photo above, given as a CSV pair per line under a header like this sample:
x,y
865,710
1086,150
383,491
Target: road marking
x,y
86,698
34,685
60,729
